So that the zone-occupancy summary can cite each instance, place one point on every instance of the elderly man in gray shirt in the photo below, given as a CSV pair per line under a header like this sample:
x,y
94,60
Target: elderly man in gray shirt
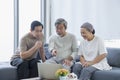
x,y
63,46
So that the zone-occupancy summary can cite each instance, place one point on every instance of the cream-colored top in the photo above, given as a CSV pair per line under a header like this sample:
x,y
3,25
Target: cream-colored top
x,y
65,46
91,49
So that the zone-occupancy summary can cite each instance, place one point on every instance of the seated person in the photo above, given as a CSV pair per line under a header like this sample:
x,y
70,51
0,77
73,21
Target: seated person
x,y
25,58
92,54
63,46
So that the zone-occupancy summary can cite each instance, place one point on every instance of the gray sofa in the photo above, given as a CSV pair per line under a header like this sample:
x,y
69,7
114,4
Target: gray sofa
x,y
113,58
8,72
114,61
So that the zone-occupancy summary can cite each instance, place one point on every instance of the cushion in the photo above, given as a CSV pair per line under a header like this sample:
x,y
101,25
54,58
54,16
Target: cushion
x,y
77,58
113,57
47,52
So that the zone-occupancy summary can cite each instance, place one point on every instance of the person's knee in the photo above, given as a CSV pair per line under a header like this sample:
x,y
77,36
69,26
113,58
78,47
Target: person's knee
x,y
76,67
33,63
85,70
23,65
16,61
88,70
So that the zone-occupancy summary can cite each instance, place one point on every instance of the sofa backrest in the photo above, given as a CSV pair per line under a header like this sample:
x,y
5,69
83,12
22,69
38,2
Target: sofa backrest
x,y
47,52
113,57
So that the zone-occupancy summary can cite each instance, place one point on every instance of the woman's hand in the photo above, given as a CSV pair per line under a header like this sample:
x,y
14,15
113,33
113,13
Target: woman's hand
x,y
87,63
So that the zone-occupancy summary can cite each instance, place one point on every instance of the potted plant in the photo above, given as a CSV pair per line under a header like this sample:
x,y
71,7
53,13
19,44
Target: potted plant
x,y
62,74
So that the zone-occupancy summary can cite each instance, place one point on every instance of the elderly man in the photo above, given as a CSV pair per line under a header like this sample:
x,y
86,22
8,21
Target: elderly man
x,y
63,46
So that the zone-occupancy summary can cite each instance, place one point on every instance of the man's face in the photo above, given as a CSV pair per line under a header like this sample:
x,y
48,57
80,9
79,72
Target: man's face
x,y
60,30
37,32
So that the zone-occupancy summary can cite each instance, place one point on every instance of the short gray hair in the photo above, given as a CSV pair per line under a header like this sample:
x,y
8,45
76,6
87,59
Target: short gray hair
x,y
61,21
88,27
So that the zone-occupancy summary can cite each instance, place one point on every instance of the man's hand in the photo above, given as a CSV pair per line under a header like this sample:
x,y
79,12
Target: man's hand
x,y
38,44
67,62
54,52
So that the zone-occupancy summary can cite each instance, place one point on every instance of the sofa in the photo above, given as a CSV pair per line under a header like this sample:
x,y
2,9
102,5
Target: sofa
x,y
8,72
113,58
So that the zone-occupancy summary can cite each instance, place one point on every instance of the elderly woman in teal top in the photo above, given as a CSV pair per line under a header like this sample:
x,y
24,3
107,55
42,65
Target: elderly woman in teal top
x,y
92,54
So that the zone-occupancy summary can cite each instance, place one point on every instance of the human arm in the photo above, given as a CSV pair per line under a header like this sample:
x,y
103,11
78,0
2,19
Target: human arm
x,y
52,46
42,54
24,54
96,60
68,60
82,59
100,51
74,48
54,52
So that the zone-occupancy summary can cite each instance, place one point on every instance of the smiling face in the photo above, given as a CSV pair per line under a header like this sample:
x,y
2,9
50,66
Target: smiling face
x,y
87,35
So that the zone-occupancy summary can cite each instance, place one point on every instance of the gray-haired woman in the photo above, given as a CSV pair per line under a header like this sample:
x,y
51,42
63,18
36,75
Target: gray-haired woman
x,y
92,54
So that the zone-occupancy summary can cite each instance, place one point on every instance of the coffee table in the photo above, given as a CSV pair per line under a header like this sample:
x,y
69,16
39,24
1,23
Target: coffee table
x,y
36,78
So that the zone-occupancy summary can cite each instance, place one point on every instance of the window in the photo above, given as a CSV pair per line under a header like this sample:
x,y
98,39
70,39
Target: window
x,y
29,10
103,14
6,29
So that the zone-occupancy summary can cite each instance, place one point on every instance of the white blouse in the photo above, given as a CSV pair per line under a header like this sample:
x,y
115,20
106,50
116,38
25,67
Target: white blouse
x,y
91,49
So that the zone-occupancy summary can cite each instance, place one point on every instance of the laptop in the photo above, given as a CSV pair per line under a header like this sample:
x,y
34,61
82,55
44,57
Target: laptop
x,y
47,70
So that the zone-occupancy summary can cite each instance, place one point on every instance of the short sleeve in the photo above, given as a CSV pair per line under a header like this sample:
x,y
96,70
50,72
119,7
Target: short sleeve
x,y
23,45
102,48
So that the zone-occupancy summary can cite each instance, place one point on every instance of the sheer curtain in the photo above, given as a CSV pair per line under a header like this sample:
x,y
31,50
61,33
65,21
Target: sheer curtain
x,y
6,29
103,14
29,10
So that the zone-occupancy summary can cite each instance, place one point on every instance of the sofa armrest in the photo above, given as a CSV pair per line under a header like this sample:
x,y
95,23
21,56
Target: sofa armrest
x,y
113,57
7,72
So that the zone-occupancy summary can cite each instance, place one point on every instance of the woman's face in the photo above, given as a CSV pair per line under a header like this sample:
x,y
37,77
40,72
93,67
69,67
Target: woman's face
x,y
85,33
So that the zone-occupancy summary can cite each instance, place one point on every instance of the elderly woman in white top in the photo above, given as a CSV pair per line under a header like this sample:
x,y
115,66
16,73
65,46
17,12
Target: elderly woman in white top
x,y
92,54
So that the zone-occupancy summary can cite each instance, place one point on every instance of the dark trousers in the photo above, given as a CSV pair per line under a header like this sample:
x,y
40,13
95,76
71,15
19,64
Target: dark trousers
x,y
25,68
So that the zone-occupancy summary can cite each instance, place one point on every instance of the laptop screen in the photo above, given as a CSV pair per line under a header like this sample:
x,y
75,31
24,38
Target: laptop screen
x,y
47,70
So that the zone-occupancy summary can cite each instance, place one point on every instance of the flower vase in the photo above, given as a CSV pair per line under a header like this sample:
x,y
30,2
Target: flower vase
x,y
62,78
